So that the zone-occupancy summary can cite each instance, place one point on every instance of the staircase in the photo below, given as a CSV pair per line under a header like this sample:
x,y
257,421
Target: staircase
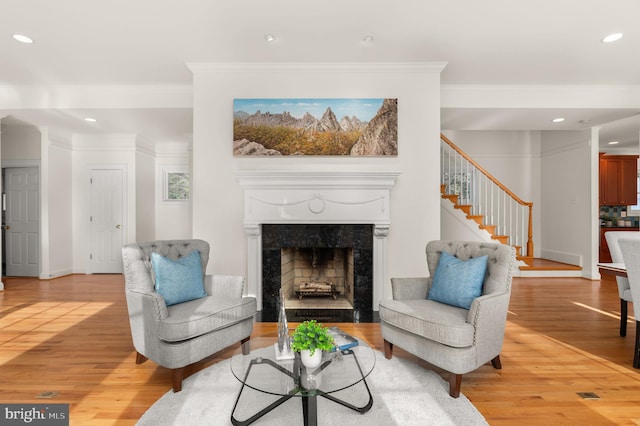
x,y
480,220
485,200
491,212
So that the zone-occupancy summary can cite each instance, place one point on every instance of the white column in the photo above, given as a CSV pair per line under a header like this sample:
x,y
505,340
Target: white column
x,y
380,233
45,266
1,242
253,285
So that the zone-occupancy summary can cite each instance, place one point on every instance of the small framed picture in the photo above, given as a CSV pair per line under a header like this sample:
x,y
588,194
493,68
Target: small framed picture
x,y
176,185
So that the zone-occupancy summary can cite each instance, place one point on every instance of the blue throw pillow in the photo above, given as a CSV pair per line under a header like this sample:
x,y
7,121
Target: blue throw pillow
x,y
457,282
179,280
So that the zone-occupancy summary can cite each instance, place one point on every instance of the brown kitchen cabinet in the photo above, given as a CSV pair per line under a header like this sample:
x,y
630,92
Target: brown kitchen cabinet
x,y
605,256
618,180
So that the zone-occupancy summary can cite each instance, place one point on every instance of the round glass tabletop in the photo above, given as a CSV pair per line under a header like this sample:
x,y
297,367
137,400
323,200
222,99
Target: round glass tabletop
x,y
265,370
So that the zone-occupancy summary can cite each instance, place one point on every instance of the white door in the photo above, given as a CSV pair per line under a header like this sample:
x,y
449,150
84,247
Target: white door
x,y
22,221
106,213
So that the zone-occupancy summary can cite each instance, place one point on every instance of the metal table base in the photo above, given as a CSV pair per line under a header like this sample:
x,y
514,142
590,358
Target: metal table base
x,y
309,401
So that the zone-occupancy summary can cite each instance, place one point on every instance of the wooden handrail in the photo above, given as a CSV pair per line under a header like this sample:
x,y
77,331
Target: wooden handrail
x,y
484,172
501,186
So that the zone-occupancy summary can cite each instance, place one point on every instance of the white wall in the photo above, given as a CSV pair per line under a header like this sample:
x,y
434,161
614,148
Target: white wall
x,y
145,207
21,143
173,218
59,180
566,179
513,157
218,198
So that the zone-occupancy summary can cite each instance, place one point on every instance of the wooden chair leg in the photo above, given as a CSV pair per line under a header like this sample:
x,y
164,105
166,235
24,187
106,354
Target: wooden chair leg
x,y
455,381
496,363
140,358
636,353
623,317
388,350
246,347
177,379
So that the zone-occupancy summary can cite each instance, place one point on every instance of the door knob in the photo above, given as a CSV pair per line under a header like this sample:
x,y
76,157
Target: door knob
x,y
118,227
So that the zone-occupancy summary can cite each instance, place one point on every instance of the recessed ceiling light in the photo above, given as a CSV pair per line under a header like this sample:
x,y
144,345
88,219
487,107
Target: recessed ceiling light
x,y
23,38
558,120
612,37
90,119
367,39
585,121
614,143
270,38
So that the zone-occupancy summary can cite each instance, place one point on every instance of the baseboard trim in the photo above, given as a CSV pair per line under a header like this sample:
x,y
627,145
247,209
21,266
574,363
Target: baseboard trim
x,y
562,257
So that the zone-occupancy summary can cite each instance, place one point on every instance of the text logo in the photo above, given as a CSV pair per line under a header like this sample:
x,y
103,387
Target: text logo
x,y
34,414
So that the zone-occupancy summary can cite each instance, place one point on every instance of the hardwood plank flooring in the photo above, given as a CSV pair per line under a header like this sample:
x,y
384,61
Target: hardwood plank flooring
x,y
538,264
71,335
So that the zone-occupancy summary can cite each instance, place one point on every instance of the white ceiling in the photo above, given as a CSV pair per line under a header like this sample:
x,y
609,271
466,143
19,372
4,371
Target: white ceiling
x,y
147,43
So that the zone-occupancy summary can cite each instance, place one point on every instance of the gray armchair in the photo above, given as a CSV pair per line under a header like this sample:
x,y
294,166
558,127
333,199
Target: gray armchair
x,y
455,339
631,254
624,291
184,333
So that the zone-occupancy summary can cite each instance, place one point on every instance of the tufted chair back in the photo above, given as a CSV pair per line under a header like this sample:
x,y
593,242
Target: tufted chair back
x,y
499,263
137,259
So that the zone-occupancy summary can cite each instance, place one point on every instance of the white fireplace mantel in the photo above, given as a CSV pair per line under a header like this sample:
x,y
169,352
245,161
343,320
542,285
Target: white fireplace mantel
x,y
301,197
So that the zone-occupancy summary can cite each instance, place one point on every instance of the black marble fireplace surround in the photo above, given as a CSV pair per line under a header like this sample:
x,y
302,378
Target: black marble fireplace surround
x,y
358,237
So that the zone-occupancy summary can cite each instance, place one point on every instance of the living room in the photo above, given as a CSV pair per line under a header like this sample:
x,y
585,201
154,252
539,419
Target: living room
x,y
430,90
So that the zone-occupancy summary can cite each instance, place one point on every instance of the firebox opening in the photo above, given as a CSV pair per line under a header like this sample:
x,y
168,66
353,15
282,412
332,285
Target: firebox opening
x,y
332,258
317,277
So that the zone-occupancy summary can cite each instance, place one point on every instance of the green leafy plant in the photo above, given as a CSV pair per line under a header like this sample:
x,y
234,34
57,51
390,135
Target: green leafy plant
x,y
311,335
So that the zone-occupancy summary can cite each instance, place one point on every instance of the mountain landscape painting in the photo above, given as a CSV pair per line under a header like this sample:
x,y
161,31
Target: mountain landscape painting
x,y
347,127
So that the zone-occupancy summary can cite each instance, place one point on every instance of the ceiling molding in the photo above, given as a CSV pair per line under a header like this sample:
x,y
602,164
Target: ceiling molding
x,y
342,67
67,97
540,96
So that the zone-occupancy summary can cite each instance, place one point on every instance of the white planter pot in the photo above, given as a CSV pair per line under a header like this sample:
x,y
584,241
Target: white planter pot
x,y
310,361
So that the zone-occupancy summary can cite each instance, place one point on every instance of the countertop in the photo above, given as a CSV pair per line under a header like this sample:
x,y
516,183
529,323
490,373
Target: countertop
x,y
635,228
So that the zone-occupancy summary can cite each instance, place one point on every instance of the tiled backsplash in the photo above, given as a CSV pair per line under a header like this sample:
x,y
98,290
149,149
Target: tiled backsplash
x,y
614,213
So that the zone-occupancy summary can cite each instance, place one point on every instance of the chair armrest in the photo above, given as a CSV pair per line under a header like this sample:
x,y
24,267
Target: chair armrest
x,y
224,285
488,315
152,304
409,288
146,311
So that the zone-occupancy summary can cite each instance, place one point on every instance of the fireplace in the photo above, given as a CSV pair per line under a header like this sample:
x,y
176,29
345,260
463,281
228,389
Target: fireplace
x,y
325,271
345,212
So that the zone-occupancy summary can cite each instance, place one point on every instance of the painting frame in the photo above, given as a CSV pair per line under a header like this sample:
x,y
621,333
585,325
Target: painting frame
x,y
347,127
176,184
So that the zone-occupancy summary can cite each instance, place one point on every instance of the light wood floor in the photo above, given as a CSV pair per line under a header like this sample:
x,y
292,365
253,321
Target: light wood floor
x,y
71,336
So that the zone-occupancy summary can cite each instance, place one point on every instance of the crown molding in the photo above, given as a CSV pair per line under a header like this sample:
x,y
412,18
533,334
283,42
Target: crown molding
x,y
540,96
67,97
341,67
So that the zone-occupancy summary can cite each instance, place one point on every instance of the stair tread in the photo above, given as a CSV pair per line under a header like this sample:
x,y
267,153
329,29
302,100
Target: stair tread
x,y
539,264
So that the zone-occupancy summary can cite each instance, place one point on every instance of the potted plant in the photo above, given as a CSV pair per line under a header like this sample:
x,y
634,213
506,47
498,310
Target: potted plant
x,y
310,338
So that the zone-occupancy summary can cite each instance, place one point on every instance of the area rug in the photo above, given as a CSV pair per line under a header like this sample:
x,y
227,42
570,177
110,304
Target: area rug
x,y
404,393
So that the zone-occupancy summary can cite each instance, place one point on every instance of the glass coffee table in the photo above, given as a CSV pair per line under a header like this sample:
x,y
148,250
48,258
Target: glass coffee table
x,y
261,371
